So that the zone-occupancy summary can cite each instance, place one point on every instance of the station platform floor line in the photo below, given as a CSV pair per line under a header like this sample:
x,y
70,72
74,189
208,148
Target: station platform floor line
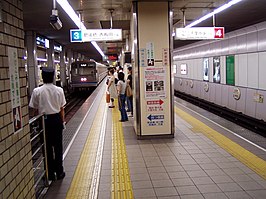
x,y
105,160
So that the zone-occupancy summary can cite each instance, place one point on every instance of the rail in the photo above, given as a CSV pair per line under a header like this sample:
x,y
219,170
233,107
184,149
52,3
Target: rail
x,y
38,148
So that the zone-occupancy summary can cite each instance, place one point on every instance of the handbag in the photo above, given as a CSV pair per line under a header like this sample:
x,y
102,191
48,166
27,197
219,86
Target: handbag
x,y
128,91
107,97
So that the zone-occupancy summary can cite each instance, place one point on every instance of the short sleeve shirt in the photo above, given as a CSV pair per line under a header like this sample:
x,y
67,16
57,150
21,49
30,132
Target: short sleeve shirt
x,y
48,99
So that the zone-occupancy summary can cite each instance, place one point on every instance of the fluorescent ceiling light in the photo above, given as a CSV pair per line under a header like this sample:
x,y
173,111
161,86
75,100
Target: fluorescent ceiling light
x,y
216,11
71,13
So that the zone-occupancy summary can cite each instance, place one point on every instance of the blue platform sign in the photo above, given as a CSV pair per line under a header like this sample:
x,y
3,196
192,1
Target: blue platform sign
x,y
155,117
75,35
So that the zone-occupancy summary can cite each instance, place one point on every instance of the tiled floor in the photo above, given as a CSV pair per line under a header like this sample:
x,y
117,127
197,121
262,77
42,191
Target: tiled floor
x,y
189,166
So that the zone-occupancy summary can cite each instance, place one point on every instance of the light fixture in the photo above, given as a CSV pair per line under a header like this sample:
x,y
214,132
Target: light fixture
x,y
216,11
71,13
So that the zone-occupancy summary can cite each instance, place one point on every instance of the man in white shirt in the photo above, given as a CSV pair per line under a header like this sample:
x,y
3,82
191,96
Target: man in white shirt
x,y
50,100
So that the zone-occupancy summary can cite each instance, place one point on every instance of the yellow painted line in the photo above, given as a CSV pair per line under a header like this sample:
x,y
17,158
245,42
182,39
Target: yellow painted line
x,y
246,157
81,184
121,183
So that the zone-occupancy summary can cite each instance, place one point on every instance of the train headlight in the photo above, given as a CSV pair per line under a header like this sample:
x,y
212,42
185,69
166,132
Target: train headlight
x,y
83,79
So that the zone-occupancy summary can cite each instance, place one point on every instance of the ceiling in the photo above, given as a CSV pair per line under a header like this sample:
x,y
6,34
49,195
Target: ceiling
x,y
97,14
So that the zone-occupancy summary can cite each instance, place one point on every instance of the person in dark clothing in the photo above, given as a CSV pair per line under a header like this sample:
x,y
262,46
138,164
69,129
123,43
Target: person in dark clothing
x,y
49,100
130,99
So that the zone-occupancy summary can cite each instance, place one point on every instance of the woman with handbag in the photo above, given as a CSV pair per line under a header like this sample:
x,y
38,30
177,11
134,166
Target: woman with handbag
x,y
111,88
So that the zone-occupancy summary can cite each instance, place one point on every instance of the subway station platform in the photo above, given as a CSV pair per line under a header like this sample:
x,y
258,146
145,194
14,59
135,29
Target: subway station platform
x,y
104,159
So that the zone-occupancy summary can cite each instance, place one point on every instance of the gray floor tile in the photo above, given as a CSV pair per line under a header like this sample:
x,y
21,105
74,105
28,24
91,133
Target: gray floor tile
x,y
258,194
215,195
233,171
231,186
167,191
221,179
174,168
241,178
178,174
139,177
192,167
156,169
187,190
144,193
199,173
141,184
159,176
202,180
209,166
179,182
209,188
238,195
195,196
215,172
250,185
170,163
169,197
162,183
136,170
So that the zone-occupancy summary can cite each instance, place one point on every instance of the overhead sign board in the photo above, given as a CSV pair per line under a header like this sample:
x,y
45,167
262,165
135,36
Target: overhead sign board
x,y
199,33
88,35
75,35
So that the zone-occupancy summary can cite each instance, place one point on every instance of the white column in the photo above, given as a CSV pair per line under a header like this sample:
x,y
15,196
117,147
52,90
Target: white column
x,y
153,96
32,68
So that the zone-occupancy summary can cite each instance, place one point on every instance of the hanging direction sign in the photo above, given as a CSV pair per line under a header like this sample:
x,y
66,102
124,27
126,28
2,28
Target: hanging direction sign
x,y
88,35
199,33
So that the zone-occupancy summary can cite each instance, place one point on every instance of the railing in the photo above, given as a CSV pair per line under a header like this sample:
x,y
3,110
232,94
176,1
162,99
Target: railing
x,y
38,148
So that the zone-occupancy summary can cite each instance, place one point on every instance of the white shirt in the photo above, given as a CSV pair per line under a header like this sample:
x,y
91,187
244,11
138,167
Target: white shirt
x,y
123,86
48,99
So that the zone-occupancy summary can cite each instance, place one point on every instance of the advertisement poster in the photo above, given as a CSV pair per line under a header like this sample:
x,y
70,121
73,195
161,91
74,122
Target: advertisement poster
x,y
206,69
150,53
15,89
183,69
154,82
230,70
216,70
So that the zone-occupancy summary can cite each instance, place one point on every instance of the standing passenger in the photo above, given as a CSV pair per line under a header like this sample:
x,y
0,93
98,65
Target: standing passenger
x,y
112,88
50,100
130,98
121,90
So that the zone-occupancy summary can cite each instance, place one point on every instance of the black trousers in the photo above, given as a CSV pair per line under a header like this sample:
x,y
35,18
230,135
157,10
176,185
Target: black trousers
x,y
54,145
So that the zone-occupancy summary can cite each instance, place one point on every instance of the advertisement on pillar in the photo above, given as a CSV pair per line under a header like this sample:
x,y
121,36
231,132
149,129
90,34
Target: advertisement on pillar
x,y
150,53
15,89
155,82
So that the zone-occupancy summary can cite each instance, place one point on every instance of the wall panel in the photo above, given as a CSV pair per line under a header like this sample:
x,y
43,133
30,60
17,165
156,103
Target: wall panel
x,y
253,70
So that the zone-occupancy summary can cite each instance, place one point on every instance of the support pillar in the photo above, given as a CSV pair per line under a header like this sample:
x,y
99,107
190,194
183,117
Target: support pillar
x,y
32,69
152,73
63,68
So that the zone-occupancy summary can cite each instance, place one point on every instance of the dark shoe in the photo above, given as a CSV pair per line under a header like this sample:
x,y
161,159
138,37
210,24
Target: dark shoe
x,y
61,176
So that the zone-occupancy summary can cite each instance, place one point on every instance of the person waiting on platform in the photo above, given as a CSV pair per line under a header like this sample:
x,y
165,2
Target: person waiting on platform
x,y
121,90
111,88
129,98
49,100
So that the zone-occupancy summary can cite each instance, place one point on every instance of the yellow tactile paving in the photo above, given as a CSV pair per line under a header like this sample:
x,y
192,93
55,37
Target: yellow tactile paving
x,y
81,183
121,183
252,161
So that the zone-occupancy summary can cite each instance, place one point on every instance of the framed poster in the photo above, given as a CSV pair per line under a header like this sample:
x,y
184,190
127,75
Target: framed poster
x,y
216,70
205,69
230,70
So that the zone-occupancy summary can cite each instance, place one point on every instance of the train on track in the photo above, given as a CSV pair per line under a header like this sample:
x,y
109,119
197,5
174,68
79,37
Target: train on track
x,y
86,74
